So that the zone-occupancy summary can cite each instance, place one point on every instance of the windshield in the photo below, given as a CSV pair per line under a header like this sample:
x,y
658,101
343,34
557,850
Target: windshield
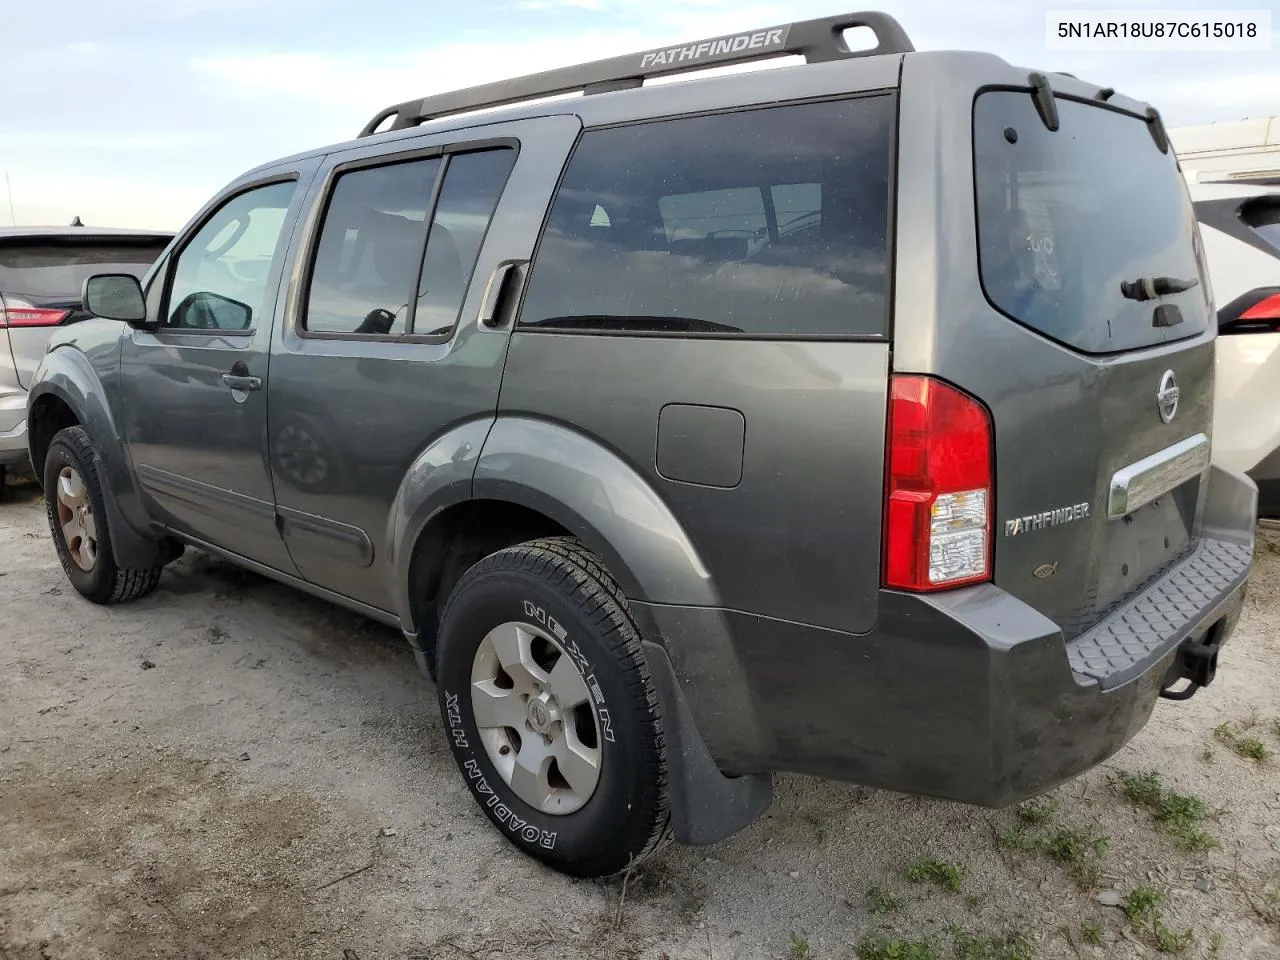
x,y
52,269
1071,222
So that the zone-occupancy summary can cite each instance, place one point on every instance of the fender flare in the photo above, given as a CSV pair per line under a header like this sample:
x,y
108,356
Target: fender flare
x,y
598,497
439,477
67,374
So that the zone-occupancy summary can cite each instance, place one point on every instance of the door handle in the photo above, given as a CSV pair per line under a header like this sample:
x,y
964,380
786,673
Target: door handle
x,y
242,383
495,292
239,378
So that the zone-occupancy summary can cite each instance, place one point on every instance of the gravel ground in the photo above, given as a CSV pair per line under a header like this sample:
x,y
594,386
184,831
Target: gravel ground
x,y
231,769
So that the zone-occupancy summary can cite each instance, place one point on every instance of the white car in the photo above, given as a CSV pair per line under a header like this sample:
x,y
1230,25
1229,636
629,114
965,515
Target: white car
x,y
1233,174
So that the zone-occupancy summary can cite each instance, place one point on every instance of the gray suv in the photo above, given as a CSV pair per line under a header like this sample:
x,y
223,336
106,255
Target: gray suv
x,y
849,419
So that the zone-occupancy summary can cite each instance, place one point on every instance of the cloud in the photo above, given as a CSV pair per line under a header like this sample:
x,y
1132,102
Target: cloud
x,y
147,108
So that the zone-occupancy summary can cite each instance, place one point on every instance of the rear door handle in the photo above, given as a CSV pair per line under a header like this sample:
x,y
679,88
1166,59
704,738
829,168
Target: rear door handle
x,y
496,291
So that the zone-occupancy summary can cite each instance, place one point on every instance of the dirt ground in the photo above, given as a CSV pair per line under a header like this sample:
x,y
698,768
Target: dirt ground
x,y
229,769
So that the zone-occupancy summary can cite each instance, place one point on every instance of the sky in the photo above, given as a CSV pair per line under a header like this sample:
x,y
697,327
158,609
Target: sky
x,y
133,113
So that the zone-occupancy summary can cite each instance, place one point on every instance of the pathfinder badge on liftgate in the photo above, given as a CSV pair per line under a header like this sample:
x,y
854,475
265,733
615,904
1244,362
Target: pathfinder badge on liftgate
x,y
1050,518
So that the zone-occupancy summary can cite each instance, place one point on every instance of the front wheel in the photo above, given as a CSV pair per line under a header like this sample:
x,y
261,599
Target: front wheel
x,y
550,709
78,521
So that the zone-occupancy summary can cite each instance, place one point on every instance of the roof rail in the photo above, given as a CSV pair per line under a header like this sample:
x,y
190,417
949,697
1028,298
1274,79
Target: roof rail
x,y
816,40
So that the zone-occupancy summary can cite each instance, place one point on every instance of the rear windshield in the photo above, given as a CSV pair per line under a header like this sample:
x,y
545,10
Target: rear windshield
x,y
60,269
1263,217
1066,218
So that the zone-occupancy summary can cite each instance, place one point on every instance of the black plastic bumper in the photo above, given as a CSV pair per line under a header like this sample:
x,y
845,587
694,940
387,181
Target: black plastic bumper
x,y
970,696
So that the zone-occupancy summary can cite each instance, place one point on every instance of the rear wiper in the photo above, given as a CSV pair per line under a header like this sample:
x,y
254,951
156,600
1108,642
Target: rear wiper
x,y
1149,288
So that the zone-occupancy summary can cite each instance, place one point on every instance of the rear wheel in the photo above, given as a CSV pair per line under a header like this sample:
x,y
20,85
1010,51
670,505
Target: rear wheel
x,y
78,521
551,712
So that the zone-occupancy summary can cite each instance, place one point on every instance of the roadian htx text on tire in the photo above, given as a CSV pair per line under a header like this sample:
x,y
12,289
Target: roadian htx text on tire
x,y
550,710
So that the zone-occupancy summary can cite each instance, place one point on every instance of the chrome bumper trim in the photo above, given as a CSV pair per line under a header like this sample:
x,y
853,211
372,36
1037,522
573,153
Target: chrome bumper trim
x,y
1139,483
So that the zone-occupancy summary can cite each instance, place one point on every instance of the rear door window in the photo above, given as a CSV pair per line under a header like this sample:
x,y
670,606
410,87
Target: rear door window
x,y
1066,217
771,222
56,269
382,238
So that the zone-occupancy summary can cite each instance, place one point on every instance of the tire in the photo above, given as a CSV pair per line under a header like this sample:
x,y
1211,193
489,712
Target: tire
x,y
561,596
86,557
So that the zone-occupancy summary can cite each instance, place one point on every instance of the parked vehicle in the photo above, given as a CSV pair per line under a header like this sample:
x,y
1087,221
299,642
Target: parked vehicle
x,y
42,270
1242,151
1233,172
791,420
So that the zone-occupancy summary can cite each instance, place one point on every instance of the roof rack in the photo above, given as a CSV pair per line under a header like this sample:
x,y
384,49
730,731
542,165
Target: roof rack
x,y
816,40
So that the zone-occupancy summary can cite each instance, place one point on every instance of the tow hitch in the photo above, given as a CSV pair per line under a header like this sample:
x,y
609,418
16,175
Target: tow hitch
x,y
1196,662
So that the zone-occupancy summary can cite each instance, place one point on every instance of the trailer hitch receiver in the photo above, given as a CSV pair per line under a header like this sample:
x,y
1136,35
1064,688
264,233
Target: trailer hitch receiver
x,y
1196,662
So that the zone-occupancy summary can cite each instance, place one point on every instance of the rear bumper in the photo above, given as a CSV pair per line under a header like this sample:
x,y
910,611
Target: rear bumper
x,y
13,426
970,696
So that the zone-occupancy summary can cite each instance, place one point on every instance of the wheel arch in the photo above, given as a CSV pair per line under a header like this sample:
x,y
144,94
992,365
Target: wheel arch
x,y
67,391
532,478
597,496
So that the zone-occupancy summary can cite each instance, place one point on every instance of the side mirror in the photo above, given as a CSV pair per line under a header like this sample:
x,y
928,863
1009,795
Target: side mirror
x,y
115,296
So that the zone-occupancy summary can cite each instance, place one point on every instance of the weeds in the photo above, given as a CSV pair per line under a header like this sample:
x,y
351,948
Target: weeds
x,y
1250,748
880,900
1037,811
1180,815
1141,904
1275,728
799,947
878,948
1008,946
1079,851
1166,941
935,872
1091,931
1215,944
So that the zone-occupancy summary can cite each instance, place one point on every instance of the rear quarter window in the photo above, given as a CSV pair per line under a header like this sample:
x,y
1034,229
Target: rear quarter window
x,y
767,222
1065,217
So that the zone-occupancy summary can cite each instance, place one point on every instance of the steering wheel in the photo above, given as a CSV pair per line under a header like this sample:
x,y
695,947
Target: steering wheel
x,y
213,253
233,267
193,313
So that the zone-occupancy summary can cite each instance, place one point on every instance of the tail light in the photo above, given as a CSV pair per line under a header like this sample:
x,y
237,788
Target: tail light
x,y
939,489
1268,309
19,313
1257,311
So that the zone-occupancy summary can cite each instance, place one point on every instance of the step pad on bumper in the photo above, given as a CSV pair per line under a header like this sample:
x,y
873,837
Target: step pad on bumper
x,y
1123,644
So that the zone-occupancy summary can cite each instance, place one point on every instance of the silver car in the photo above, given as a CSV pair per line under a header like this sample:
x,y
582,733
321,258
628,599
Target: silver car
x,y
41,272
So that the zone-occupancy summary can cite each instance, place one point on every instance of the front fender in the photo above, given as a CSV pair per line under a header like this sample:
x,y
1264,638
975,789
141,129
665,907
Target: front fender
x,y
602,500
72,373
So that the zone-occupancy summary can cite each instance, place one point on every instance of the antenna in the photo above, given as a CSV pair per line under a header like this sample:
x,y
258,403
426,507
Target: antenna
x,y
13,217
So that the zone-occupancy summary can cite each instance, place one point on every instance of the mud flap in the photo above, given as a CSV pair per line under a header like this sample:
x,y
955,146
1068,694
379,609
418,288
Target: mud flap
x,y
706,805
132,550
